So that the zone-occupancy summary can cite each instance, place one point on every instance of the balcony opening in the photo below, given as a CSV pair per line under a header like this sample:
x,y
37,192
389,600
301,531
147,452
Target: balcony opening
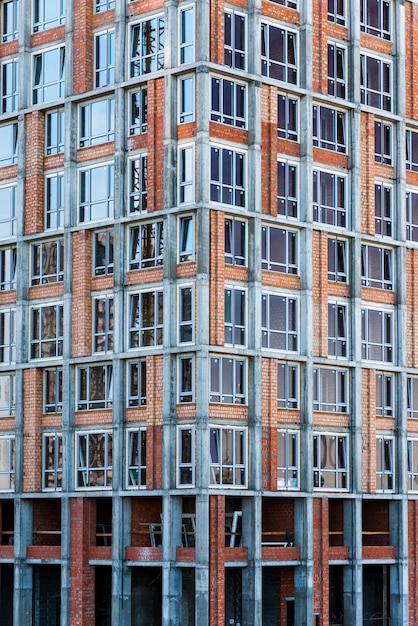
x,y
147,526
46,523
336,522
376,523
7,522
233,522
188,520
278,522
103,522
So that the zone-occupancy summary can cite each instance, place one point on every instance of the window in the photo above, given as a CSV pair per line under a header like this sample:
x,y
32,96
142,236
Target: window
x,y
54,131
336,11
96,193
235,242
46,331
383,212
137,383
376,267
147,46
9,85
412,397
412,216
227,176
329,129
384,463
235,316
146,319
337,260
48,75
412,464
94,459
7,336
8,219
187,34
7,463
279,250
97,122
336,70
52,453
337,330
138,111
185,456
330,461
383,143
53,390
288,459
228,102
48,14
103,252
136,452
103,324
103,5
185,376
412,150
54,201
377,337
376,82
228,380
290,4
185,312
104,58
94,387
385,394
228,456
330,390
287,117
186,235
7,395
138,182
287,189
186,99
7,269
279,322
329,198
10,20
375,17
235,40
279,53
186,174
47,262
287,385
146,245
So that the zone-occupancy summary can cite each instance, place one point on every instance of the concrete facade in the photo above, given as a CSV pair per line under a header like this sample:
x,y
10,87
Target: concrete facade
x,y
208,312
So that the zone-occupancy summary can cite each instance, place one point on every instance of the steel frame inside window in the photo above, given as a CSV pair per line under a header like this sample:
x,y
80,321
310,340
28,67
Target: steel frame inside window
x,y
330,461
146,245
385,465
145,325
147,46
288,459
138,111
47,262
52,390
185,456
136,458
228,456
228,380
7,463
138,183
103,323
94,387
47,331
94,459
7,336
52,453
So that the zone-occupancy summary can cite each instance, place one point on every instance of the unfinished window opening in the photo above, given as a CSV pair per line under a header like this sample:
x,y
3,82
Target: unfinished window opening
x,y
336,522
46,595
146,596
103,595
376,595
46,523
277,522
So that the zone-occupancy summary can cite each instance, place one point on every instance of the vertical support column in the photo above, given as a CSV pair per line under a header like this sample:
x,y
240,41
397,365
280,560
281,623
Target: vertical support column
x,y
82,595
22,597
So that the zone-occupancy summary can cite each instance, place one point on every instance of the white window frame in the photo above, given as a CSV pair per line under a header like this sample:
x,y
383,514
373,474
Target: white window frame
x,y
412,215
102,323
104,72
287,188
10,33
237,395
8,223
383,209
146,245
383,142
8,335
339,378
136,458
381,6
326,467
38,340
186,456
55,472
10,85
290,372
367,95
7,463
137,328
39,94
43,255
103,240
234,56
412,450
94,404
385,463
385,394
186,42
139,398
40,16
186,174
412,397
103,5
279,249
83,468
338,344
335,214
411,143
54,202
56,405
140,64
337,13
186,238
231,108
8,260
284,129
185,313
185,379
233,240
384,277
90,115
186,112
8,144
226,470
88,206
138,111
287,334
235,315
284,70
338,274
337,72
288,468
138,183
54,131
236,193
338,141
7,394
387,327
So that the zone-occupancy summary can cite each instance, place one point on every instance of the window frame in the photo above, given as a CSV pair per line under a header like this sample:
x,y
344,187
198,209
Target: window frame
x,y
385,394
54,206
411,149
412,461
93,404
186,99
336,126
186,238
339,268
88,115
233,182
380,97
186,174
288,471
100,6
185,314
38,340
138,481
337,12
289,329
186,462
57,392
235,40
229,109
7,470
330,185
235,315
287,188
9,85
286,243
138,183
383,209
10,34
7,387
411,214
8,268
412,397
42,262
146,245
138,111
8,329
106,267
56,469
337,70
387,331
234,468
385,464
185,379
322,378
289,130
381,276
136,392
10,220
40,21
137,329
83,467
383,142
379,29
87,204
340,472
54,137
286,67
237,394
104,69
38,70
186,44
102,323
234,242
290,399
153,61
338,344
9,158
